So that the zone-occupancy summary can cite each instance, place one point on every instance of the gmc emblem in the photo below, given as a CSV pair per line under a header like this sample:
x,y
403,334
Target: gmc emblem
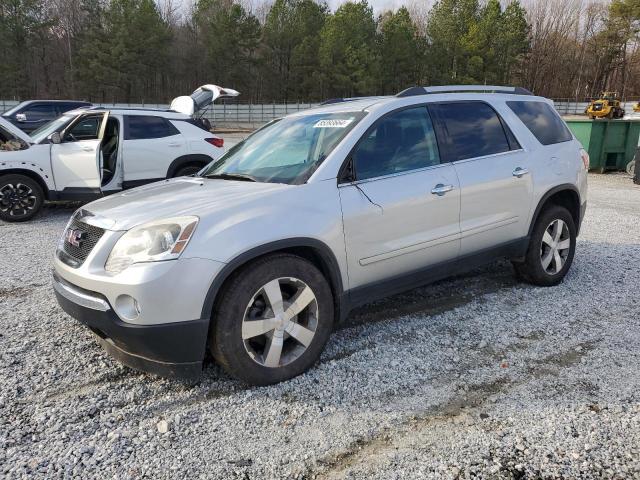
x,y
75,237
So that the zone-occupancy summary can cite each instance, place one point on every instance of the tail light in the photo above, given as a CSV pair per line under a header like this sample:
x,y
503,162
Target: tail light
x,y
215,141
585,158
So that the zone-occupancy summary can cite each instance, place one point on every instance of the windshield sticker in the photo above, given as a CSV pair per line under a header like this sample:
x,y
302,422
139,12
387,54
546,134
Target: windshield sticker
x,y
334,123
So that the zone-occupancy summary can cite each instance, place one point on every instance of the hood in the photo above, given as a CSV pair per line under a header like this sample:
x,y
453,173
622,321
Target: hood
x,y
175,198
15,131
201,98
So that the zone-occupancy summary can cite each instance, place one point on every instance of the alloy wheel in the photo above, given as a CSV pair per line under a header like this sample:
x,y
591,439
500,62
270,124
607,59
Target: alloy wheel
x,y
556,243
280,322
17,199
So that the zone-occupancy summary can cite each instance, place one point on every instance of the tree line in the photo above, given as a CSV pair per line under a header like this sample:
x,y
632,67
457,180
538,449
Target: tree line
x,y
299,50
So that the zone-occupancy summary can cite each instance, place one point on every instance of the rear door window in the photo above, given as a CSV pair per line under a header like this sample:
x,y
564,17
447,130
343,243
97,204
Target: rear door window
x,y
401,141
139,127
542,120
471,129
65,107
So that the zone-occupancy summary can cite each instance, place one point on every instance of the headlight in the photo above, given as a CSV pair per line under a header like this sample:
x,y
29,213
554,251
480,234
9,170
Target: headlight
x,y
151,242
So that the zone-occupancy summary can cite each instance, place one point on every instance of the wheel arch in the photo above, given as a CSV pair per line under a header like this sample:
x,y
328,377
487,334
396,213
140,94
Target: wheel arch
x,y
566,195
199,159
32,175
311,249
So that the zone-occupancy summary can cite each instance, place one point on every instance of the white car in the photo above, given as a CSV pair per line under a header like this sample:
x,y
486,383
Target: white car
x,y
87,153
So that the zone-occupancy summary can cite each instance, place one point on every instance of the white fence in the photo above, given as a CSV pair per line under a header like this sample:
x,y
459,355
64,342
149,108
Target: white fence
x,y
244,115
578,108
220,114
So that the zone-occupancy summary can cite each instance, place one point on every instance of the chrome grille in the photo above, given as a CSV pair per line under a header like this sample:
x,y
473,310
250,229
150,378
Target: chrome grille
x,y
84,238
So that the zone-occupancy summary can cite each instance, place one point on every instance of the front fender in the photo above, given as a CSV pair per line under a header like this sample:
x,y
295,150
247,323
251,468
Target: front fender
x,y
306,215
24,161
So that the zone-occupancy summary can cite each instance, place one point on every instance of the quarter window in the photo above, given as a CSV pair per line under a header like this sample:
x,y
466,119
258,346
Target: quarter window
x,y
402,141
542,120
140,127
471,129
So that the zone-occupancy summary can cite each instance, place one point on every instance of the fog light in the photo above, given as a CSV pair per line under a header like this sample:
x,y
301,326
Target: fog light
x,y
127,307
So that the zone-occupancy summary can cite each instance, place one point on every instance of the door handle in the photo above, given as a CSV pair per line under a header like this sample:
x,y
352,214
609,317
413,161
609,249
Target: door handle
x,y
174,144
519,172
87,149
440,189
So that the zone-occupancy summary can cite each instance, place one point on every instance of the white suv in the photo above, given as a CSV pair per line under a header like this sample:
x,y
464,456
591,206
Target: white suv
x,y
263,251
87,153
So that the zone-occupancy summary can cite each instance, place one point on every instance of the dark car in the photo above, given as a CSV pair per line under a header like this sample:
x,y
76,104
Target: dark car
x,y
30,115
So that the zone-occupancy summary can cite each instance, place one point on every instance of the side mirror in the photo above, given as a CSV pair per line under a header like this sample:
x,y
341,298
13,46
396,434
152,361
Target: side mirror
x,y
55,138
21,117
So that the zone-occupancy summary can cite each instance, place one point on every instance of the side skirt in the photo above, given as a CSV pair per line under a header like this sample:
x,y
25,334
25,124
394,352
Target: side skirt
x,y
76,194
385,288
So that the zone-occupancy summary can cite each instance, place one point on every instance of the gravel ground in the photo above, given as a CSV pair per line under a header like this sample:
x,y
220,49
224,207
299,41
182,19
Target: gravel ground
x,y
474,377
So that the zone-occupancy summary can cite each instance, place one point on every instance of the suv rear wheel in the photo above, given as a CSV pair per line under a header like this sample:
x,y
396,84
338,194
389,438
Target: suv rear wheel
x,y
273,321
188,170
551,248
20,198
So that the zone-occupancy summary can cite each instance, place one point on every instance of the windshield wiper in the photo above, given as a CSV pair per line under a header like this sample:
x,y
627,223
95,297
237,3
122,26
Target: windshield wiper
x,y
232,176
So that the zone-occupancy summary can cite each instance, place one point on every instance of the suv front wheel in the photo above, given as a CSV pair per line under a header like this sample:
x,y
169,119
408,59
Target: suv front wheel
x,y
20,198
551,248
273,320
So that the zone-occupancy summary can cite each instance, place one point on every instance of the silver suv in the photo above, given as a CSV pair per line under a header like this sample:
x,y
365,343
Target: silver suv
x,y
262,252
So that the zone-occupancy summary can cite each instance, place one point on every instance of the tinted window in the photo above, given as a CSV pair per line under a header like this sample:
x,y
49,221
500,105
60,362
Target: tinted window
x,y
139,127
543,121
472,129
87,128
401,141
65,107
40,112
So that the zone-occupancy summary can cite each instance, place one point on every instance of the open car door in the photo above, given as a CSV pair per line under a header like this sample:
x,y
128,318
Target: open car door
x,y
201,98
75,155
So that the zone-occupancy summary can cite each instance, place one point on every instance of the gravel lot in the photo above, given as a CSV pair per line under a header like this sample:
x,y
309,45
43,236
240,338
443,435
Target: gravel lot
x,y
475,377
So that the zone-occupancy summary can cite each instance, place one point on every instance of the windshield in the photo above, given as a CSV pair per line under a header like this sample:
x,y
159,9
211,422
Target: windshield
x,y
47,129
287,150
13,110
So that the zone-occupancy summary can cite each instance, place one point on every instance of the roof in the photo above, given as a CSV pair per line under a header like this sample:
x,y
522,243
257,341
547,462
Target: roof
x,y
420,94
130,111
56,101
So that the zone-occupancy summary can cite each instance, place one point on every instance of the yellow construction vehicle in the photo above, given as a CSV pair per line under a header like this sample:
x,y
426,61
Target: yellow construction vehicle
x,y
607,106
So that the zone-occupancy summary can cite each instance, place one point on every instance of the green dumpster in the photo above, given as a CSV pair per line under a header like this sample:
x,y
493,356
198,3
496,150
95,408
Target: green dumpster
x,y
611,144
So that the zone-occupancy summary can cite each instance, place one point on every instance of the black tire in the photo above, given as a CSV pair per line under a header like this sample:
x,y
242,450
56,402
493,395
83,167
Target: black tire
x,y
21,198
225,337
188,170
532,269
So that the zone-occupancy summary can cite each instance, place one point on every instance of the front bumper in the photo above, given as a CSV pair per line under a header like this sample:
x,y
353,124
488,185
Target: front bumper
x,y
168,349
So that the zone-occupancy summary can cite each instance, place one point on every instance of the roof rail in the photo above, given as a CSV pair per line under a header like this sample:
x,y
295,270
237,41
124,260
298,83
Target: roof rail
x,y
412,91
350,99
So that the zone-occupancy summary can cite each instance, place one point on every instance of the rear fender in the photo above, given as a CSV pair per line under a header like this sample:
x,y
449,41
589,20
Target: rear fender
x,y
193,159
